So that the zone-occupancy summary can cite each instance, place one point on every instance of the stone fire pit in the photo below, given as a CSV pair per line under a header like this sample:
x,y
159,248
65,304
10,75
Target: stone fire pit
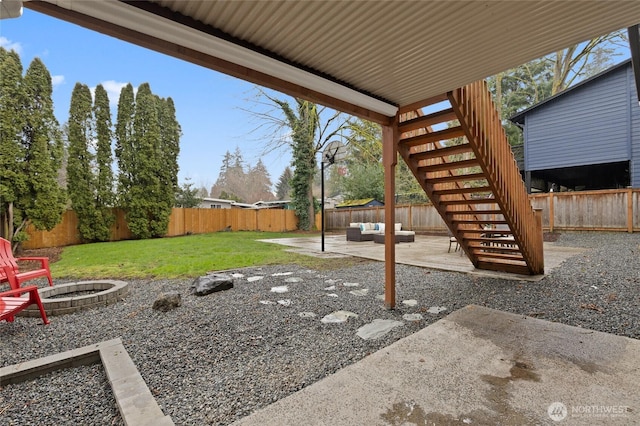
x,y
72,297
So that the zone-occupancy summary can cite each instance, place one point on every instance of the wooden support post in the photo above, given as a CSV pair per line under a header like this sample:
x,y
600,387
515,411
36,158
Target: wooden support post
x,y
538,268
390,136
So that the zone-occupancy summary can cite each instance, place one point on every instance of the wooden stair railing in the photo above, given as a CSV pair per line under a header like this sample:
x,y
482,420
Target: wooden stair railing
x,y
461,157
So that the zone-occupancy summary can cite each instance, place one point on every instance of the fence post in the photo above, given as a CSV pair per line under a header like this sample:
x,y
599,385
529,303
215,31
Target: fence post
x,y
551,212
410,214
630,210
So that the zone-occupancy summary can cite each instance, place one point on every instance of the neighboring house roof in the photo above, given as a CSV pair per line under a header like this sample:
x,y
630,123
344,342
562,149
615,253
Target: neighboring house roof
x,y
218,200
358,203
271,204
519,117
256,205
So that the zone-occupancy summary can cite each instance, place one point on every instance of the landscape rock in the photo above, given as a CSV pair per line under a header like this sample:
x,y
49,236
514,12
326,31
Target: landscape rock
x,y
338,317
167,301
377,328
412,317
436,309
211,283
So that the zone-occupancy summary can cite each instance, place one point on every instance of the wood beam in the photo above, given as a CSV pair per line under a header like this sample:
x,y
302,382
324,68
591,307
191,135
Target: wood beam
x,y
390,136
205,60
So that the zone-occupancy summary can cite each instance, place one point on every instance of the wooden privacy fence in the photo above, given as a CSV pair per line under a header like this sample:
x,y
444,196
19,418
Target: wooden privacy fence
x,y
607,210
181,222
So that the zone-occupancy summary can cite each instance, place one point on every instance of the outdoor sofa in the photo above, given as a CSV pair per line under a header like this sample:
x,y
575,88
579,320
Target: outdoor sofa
x,y
365,231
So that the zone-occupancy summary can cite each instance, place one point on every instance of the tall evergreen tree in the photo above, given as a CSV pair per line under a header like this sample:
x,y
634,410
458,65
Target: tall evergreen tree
x,y
81,181
13,180
147,146
283,187
141,208
45,200
237,177
104,159
259,183
221,183
187,196
125,146
232,180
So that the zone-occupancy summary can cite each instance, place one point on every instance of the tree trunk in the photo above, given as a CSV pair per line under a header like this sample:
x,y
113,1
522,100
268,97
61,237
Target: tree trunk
x,y
499,93
10,221
311,208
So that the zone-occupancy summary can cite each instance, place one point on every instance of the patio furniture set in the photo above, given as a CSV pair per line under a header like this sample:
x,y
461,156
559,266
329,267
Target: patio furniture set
x,y
368,231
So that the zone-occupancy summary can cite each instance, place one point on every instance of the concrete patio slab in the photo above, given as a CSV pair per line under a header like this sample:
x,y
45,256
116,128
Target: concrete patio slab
x,y
477,366
426,251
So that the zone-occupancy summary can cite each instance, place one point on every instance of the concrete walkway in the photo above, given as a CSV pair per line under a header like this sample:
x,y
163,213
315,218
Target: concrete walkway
x,y
477,366
427,251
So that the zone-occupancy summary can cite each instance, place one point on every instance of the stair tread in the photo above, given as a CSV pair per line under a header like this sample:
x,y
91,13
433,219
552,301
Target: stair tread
x,y
453,191
441,152
427,120
452,165
503,266
440,135
468,201
457,178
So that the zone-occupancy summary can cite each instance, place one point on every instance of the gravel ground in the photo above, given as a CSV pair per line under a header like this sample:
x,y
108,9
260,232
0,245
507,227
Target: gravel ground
x,y
219,357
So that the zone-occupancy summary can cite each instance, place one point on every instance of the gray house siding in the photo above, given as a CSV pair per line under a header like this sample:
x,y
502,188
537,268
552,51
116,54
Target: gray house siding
x,y
634,132
589,125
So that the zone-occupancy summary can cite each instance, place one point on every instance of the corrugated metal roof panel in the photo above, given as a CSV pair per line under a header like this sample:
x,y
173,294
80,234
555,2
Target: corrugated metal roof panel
x,y
403,51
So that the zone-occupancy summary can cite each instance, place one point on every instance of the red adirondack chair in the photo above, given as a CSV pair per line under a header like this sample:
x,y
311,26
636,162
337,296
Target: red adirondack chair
x,y
11,302
9,270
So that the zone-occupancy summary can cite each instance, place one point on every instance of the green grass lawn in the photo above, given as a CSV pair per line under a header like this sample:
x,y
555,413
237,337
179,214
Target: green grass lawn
x,y
176,257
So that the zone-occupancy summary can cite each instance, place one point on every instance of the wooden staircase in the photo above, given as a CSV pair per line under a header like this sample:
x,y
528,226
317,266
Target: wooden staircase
x,y
457,149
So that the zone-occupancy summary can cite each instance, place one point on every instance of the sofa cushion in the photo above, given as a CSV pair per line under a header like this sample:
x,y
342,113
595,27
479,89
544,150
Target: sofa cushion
x,y
354,225
381,227
397,226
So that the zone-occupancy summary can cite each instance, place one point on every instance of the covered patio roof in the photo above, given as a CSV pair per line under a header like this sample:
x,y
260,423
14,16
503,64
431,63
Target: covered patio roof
x,y
367,58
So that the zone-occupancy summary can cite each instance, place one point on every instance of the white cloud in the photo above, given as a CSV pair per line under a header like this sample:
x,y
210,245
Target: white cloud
x,y
9,45
57,80
113,89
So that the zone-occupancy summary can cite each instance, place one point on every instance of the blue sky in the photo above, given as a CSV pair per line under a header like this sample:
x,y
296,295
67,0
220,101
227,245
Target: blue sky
x,y
210,106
